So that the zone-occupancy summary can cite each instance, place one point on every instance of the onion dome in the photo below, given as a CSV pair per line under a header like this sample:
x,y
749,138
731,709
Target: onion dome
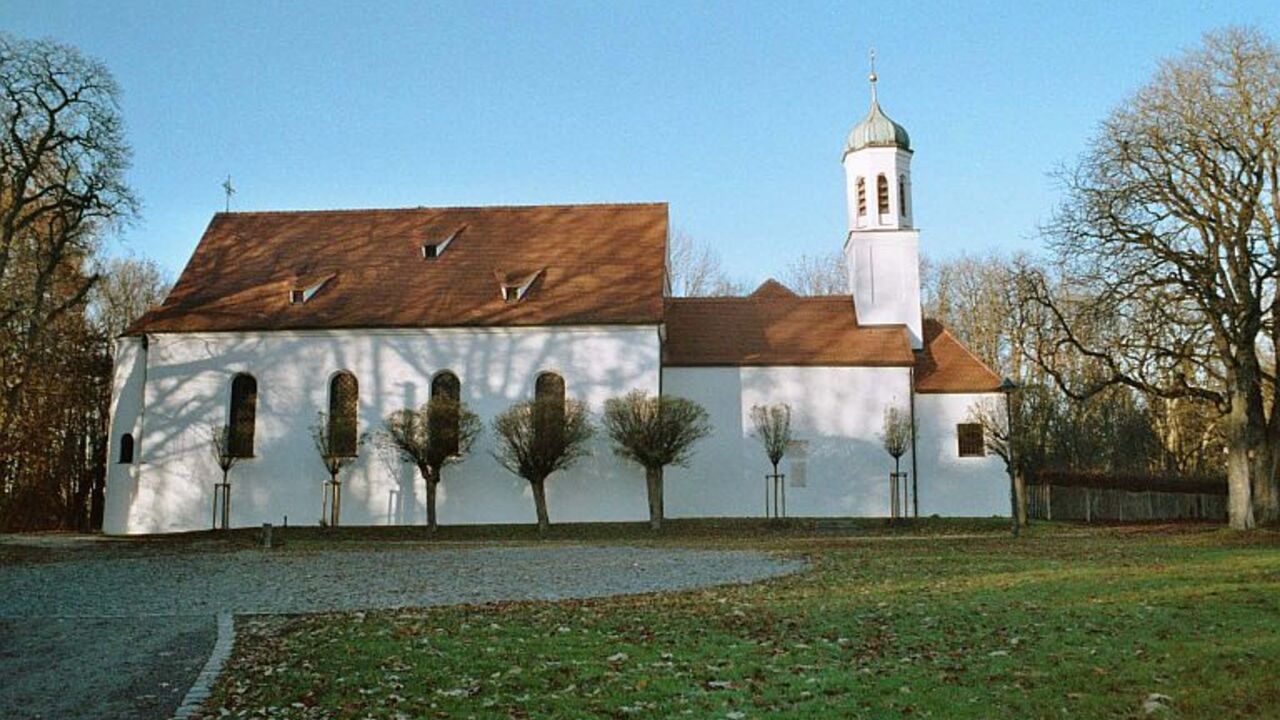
x,y
876,129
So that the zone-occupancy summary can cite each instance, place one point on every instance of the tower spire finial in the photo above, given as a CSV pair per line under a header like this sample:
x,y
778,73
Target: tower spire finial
x,y
873,77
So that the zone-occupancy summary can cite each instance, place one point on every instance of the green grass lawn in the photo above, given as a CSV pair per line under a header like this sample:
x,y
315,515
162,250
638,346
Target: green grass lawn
x,y
1068,622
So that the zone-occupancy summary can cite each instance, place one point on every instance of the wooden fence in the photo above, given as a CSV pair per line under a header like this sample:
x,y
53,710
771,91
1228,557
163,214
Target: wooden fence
x,y
1066,502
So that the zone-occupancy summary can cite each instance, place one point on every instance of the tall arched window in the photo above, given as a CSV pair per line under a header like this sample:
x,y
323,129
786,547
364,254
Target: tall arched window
x,y
344,397
126,449
902,195
446,385
882,194
548,392
862,196
244,414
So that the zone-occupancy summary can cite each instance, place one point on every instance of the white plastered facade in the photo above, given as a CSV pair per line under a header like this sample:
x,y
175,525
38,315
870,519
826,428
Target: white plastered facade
x,y
169,394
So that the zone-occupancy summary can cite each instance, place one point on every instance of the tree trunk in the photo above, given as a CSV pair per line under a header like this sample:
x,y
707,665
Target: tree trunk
x,y
1246,435
653,477
540,503
1020,492
1266,486
432,479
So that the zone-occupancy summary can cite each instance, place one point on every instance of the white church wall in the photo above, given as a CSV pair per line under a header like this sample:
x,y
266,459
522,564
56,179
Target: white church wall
x,y
188,391
126,403
950,485
836,411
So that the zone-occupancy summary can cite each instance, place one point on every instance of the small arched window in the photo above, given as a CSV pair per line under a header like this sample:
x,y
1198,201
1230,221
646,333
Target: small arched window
x,y
882,194
244,413
862,197
902,195
344,397
548,393
126,449
446,385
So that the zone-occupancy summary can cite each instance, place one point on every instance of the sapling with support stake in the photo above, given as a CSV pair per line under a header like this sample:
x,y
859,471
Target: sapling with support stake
x,y
221,446
896,438
773,429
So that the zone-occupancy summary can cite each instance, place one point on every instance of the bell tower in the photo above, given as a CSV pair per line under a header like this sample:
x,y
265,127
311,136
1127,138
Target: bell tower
x,y
882,249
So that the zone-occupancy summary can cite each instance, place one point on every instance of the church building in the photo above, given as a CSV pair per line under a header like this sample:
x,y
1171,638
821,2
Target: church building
x,y
279,316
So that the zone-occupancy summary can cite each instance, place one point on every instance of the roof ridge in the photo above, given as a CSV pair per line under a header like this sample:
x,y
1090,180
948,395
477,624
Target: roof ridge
x,y
420,208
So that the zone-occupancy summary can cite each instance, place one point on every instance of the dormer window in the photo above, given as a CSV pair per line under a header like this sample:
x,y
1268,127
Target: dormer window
x,y
514,287
300,295
431,251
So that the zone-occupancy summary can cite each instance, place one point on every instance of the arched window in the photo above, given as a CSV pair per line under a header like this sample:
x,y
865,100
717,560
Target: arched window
x,y
902,195
882,194
126,449
548,393
862,197
446,385
244,413
344,396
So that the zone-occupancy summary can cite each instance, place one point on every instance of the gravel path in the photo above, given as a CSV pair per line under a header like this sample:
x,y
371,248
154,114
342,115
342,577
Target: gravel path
x,y
102,634
257,581
101,668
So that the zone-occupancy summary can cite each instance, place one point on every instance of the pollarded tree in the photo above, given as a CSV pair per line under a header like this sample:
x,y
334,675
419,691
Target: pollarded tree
x,y
538,437
655,432
439,433
1169,246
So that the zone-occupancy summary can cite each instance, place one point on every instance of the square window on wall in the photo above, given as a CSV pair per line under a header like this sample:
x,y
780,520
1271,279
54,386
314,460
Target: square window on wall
x,y
971,440
798,460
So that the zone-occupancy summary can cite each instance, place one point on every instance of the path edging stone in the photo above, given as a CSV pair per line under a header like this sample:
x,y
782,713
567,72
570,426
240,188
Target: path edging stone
x,y
200,689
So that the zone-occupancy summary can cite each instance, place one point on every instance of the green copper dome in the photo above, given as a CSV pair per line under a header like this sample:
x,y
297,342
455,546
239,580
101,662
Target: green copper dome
x,y
876,129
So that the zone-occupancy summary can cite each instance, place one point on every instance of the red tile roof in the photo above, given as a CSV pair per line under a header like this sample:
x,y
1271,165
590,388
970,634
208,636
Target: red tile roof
x,y
590,264
947,366
774,326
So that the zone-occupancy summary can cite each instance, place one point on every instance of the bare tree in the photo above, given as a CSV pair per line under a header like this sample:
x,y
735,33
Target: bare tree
x,y
439,433
63,156
333,440
221,446
1169,243
695,269
993,417
895,434
127,288
539,437
818,274
772,427
655,432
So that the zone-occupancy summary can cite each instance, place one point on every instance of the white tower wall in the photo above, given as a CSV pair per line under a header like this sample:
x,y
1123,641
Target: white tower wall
x,y
882,251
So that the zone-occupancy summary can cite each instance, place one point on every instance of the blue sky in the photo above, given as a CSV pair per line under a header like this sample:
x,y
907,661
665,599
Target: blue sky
x,y
734,113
